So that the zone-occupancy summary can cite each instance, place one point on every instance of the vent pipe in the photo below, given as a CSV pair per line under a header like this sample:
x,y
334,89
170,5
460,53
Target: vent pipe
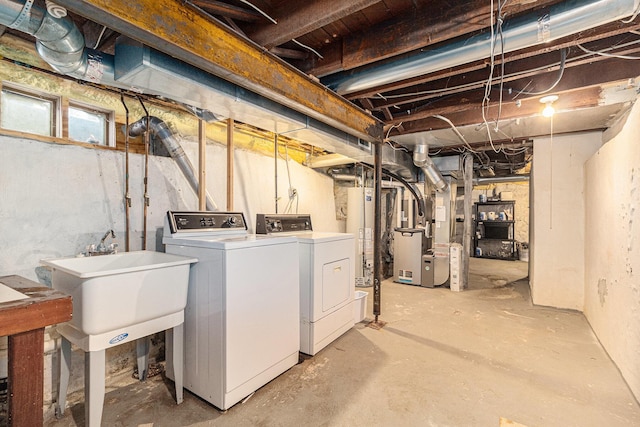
x,y
422,160
562,20
164,133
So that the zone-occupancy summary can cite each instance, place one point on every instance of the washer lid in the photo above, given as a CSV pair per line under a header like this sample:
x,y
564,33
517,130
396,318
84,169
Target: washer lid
x,y
228,242
318,236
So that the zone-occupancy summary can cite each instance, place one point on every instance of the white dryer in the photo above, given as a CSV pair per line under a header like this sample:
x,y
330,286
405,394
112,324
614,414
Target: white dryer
x,y
242,325
327,278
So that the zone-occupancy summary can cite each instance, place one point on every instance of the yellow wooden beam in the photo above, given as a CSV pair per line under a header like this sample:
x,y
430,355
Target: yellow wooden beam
x,y
184,32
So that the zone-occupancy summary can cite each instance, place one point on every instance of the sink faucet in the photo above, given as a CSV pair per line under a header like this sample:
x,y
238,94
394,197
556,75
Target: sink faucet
x,y
102,249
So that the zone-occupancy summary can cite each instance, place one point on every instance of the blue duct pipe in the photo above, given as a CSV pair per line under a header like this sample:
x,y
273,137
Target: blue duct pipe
x,y
563,19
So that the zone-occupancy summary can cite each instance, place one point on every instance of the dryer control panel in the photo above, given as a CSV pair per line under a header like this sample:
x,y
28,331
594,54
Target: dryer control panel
x,y
282,223
205,221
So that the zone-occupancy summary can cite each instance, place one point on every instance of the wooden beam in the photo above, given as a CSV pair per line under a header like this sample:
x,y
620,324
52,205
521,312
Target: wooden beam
x,y
228,10
589,76
399,35
575,99
190,35
305,18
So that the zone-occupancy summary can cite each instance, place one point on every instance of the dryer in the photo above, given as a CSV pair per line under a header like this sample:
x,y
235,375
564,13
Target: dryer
x,y
327,278
242,325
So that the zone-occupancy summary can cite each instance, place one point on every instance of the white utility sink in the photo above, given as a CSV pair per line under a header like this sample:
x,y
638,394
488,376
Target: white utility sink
x,y
115,291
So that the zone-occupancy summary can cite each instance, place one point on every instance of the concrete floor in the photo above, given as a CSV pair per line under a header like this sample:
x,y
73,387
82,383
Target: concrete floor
x,y
443,359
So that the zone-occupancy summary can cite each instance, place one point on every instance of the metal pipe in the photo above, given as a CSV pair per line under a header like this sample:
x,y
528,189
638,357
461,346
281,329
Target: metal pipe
x,y
127,196
422,160
275,166
147,141
162,131
377,232
564,19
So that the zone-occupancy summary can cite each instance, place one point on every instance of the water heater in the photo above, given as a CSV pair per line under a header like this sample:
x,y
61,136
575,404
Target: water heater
x,y
360,217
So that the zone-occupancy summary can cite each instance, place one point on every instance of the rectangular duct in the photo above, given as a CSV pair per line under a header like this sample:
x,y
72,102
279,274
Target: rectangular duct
x,y
146,70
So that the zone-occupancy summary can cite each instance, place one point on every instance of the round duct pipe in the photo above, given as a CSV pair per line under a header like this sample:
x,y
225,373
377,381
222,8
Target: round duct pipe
x,y
422,160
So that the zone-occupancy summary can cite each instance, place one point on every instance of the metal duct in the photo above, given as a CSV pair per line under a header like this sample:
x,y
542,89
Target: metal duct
x,y
564,19
164,133
422,160
58,40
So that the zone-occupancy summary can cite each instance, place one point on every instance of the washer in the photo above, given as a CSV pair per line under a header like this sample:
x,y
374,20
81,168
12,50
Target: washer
x,y
242,324
327,278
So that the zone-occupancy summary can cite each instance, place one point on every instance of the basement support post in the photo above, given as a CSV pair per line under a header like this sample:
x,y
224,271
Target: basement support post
x,y
468,223
377,224
230,128
202,165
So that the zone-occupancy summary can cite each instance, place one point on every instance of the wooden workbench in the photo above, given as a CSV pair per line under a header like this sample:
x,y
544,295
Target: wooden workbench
x,y
23,321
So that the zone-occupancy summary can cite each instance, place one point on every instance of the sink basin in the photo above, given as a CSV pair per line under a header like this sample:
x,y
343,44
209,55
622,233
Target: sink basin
x,y
115,291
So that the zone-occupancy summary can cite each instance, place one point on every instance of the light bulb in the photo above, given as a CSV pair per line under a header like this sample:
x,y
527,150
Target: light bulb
x,y
548,100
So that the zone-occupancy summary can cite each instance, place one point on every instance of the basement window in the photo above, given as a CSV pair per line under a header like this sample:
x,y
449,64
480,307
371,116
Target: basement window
x,y
91,125
28,112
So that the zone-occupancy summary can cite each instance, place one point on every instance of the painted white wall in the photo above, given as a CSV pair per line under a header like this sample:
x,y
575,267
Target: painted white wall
x,y
612,248
57,199
557,252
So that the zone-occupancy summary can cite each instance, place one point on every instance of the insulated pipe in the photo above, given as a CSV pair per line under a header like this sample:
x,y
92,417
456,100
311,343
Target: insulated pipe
x,y
564,19
501,179
422,160
162,131
346,177
412,188
58,40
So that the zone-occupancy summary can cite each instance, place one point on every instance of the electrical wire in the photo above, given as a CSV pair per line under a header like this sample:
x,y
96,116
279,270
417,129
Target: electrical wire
x,y
633,17
308,48
563,62
608,55
260,11
104,28
390,129
455,129
293,193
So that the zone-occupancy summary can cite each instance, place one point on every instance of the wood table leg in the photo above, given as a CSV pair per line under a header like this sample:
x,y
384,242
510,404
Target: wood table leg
x,y
26,378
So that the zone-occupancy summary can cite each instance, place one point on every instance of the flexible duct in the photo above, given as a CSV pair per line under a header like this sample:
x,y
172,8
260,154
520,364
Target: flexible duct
x,y
164,133
564,19
422,160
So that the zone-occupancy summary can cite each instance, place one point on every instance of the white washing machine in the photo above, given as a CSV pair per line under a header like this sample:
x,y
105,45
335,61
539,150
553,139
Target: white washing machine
x,y
327,278
242,325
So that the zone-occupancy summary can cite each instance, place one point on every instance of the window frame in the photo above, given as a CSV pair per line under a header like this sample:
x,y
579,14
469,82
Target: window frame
x,y
110,127
29,92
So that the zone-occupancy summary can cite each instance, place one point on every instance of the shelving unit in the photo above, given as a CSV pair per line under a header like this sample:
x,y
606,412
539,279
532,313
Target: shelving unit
x,y
495,230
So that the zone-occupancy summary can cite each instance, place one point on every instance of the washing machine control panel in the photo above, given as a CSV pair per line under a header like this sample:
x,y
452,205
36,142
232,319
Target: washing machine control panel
x,y
268,224
205,221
